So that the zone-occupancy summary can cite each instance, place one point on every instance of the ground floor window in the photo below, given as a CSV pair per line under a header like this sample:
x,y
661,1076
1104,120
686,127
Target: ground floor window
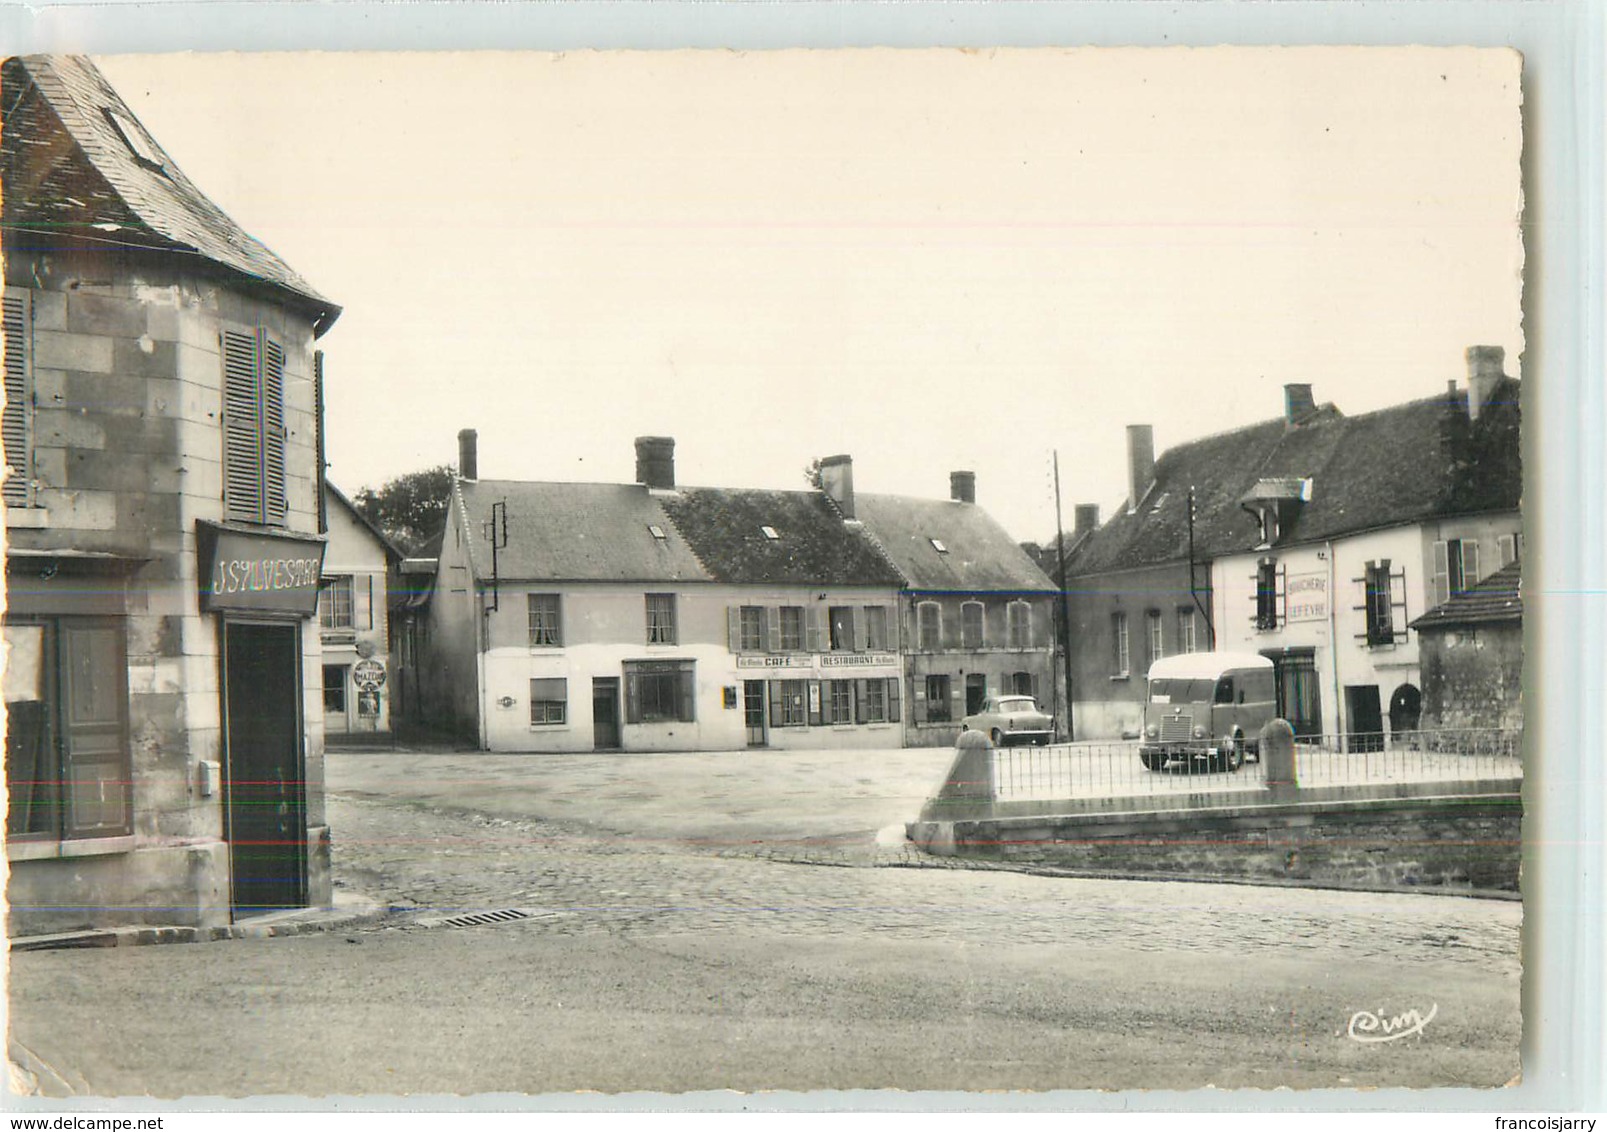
x,y
549,700
937,699
878,701
841,702
789,703
335,689
659,691
66,696
1021,684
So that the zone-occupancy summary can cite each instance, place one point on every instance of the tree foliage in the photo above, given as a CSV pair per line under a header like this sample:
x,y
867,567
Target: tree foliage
x,y
410,509
811,473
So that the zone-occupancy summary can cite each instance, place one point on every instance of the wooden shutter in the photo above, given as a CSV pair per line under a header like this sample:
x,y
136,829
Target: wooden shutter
x,y
775,702
276,501
815,639
19,399
363,599
242,429
861,631
733,627
687,686
1442,573
633,698
1470,563
891,620
861,702
772,625
816,703
94,728
919,706
318,438
892,700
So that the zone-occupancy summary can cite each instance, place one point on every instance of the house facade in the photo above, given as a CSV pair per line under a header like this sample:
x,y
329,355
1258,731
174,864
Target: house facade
x,y
977,615
162,440
1323,537
644,617
353,622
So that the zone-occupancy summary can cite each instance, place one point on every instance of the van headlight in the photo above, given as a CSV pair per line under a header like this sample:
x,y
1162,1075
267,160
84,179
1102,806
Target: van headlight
x,y
1153,731
1199,732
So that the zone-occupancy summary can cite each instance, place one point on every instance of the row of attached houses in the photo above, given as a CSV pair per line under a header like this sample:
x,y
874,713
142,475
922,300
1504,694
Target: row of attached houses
x,y
1316,539
646,616
164,552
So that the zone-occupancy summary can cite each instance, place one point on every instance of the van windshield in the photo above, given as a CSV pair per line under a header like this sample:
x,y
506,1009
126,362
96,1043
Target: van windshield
x,y
1175,691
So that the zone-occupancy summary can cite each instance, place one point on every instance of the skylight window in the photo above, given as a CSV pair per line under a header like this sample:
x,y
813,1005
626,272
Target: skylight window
x,y
770,533
937,545
135,138
657,531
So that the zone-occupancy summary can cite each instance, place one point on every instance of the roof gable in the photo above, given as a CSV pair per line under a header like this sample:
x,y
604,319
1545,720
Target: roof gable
x,y
77,163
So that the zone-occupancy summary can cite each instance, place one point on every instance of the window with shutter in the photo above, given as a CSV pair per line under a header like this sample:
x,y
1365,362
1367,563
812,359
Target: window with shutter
x,y
253,428
929,625
18,491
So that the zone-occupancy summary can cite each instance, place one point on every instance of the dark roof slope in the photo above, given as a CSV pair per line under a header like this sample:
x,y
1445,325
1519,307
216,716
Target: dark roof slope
x,y
1498,598
978,555
813,546
595,532
1404,464
68,172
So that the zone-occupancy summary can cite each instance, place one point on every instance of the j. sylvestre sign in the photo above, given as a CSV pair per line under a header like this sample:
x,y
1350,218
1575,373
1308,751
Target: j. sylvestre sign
x,y
253,571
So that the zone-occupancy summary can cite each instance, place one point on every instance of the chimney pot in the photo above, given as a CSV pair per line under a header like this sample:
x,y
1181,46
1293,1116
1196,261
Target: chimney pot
x,y
655,462
1086,521
1485,364
837,481
962,487
1140,462
468,454
1298,402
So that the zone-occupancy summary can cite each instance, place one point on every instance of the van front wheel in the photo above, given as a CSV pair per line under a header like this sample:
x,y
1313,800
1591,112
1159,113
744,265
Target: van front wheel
x,y
1232,752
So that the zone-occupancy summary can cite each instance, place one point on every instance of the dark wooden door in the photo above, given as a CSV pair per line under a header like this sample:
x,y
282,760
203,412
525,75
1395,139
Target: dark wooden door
x,y
753,711
1366,712
266,791
605,713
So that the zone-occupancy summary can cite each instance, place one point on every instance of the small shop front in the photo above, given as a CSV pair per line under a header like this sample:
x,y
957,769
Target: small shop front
x,y
821,700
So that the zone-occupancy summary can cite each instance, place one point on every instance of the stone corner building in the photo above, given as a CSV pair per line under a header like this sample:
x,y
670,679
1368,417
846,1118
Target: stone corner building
x,y
163,547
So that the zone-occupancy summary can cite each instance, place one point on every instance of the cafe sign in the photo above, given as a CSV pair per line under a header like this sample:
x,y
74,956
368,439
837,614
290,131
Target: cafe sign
x,y
813,662
250,571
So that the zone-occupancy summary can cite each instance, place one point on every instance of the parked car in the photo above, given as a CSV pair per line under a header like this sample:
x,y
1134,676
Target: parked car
x,y
1207,708
1011,719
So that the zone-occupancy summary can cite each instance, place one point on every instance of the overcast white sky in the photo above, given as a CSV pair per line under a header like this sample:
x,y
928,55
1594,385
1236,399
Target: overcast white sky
x,y
929,260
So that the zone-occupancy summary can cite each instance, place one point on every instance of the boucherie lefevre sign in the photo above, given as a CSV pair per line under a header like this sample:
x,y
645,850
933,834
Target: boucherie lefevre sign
x,y
256,571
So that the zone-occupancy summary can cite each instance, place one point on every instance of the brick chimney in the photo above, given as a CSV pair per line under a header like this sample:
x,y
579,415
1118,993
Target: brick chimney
x,y
837,480
655,462
962,487
1298,403
468,454
1484,374
1086,521
1140,462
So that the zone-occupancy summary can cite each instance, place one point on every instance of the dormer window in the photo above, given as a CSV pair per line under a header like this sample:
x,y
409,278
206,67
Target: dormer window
x,y
133,136
937,545
770,533
657,532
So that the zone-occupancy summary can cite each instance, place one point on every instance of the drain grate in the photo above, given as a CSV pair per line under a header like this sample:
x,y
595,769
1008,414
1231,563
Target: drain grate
x,y
478,919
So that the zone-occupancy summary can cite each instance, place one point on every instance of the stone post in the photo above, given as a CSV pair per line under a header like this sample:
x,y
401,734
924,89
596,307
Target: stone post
x,y
1278,757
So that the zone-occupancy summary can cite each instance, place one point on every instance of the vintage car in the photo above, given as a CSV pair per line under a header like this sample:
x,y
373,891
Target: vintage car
x,y
1011,719
1206,709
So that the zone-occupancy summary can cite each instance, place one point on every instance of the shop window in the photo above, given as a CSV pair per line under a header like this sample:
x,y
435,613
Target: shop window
x,y
335,689
18,490
661,619
549,700
937,699
1122,657
253,428
1018,616
546,624
67,750
972,625
659,691
929,625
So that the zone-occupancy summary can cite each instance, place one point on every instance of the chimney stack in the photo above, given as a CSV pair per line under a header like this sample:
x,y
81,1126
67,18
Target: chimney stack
x,y
1140,462
962,487
1298,403
837,480
1484,374
655,462
1087,520
468,454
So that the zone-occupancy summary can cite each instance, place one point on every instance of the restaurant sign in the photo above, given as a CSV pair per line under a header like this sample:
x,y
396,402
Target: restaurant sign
x,y
251,571
813,662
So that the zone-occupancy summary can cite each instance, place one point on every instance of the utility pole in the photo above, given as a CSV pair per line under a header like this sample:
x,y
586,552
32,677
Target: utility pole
x,y
1194,593
1065,611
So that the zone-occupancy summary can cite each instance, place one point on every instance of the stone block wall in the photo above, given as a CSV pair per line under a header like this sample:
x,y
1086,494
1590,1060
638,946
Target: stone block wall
x,y
1473,676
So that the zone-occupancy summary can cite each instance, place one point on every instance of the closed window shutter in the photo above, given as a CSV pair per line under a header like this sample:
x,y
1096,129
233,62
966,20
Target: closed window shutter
x,y
772,624
19,400
891,619
95,726
892,700
861,632
276,502
816,641
1470,563
1442,573
688,690
633,698
817,708
861,701
775,703
733,628
242,429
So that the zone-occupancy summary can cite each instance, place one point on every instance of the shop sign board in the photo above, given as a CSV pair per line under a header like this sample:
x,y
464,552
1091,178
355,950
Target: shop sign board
x,y
258,572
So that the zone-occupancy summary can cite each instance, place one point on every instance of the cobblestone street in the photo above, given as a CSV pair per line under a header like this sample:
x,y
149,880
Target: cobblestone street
x,y
681,956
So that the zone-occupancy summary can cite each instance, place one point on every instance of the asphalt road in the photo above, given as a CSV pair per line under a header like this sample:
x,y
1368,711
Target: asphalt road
x,y
673,954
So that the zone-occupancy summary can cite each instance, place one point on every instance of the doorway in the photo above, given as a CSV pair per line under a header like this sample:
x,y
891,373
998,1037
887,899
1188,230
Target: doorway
x,y
1299,697
1366,714
753,711
976,690
605,713
265,783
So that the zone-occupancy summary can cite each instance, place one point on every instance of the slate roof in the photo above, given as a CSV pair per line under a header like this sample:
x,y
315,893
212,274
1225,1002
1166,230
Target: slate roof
x,y
980,555
1397,466
576,532
68,172
1497,598
813,546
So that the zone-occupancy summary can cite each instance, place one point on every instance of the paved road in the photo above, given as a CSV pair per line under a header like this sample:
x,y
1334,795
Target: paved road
x,y
679,957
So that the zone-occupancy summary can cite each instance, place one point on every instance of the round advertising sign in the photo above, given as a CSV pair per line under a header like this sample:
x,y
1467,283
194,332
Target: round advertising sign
x,y
368,673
